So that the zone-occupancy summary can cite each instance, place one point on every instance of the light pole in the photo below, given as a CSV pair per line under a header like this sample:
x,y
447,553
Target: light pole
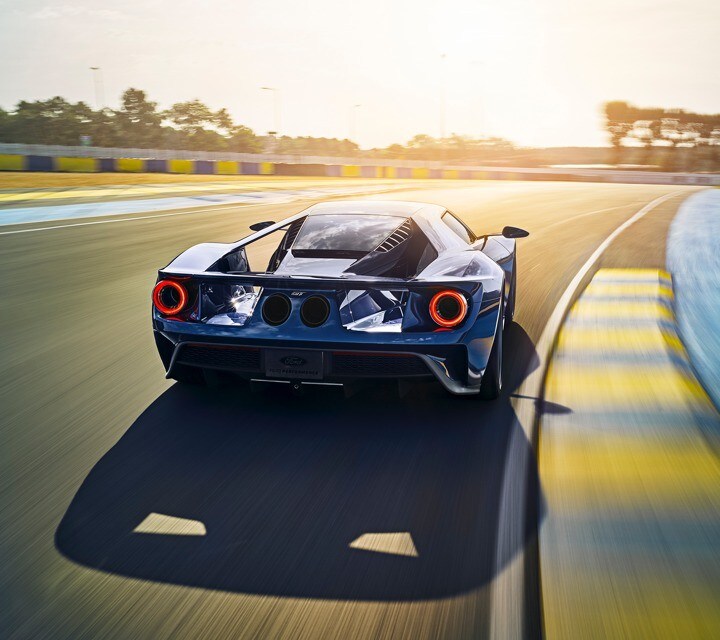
x,y
442,96
353,120
97,78
276,108
480,102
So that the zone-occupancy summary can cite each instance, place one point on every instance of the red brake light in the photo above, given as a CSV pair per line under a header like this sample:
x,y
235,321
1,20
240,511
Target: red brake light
x,y
169,297
448,308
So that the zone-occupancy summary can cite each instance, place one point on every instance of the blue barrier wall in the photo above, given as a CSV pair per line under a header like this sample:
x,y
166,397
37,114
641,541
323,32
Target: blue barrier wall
x,y
156,166
205,167
75,159
40,163
250,168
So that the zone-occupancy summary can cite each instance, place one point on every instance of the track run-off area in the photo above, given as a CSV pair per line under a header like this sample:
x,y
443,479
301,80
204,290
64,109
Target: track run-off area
x,y
318,516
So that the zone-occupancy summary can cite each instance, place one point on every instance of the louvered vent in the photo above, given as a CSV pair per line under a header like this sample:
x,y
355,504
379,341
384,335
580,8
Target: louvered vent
x,y
292,233
397,237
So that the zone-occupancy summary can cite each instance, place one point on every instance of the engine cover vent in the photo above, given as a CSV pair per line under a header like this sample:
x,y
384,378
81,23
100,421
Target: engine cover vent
x,y
397,237
292,232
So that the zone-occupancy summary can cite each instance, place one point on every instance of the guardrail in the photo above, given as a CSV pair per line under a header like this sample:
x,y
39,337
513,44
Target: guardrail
x,y
23,157
179,154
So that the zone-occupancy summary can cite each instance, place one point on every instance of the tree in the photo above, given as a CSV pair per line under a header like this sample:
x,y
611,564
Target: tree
x,y
395,151
6,124
53,121
223,121
203,129
310,146
139,122
190,117
103,128
244,140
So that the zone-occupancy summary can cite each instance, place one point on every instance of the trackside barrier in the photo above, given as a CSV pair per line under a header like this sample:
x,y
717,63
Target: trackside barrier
x,y
204,167
300,170
156,166
17,157
350,171
249,168
227,168
371,172
181,166
334,171
12,162
129,165
403,172
39,163
82,165
420,173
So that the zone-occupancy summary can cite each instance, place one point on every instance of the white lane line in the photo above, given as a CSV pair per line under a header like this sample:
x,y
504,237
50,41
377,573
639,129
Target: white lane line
x,y
217,209
507,606
581,215
373,190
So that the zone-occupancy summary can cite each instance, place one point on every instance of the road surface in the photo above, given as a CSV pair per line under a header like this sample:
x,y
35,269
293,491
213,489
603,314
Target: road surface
x,y
289,490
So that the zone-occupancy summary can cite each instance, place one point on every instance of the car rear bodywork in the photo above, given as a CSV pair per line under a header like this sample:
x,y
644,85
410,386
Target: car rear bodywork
x,y
318,317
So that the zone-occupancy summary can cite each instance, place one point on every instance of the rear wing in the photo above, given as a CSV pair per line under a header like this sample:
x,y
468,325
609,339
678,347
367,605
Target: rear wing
x,y
299,283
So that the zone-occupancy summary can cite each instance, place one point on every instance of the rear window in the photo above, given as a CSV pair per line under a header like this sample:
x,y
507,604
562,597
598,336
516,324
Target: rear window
x,y
345,232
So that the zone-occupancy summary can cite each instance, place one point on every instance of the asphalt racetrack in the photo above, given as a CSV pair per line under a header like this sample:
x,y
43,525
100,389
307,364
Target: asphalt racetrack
x,y
292,492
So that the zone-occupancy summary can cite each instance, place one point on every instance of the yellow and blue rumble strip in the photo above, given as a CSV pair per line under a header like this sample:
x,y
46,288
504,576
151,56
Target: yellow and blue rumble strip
x,y
630,518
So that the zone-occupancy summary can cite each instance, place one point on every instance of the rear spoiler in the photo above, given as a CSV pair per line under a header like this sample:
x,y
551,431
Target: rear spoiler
x,y
273,281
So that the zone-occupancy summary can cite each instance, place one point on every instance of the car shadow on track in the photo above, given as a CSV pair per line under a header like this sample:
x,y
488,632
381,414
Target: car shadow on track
x,y
284,485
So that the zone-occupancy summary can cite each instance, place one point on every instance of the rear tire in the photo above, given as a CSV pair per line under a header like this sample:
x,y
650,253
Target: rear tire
x,y
491,384
510,306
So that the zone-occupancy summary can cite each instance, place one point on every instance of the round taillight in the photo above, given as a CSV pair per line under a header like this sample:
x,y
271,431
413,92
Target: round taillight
x,y
448,308
276,309
314,311
169,297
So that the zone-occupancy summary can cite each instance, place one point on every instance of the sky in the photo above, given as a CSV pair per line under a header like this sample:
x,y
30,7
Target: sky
x,y
533,71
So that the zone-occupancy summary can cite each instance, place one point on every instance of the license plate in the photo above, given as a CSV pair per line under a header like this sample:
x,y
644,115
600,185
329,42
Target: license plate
x,y
303,365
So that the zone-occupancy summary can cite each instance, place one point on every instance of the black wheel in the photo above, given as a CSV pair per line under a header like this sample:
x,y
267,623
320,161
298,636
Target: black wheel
x,y
491,384
188,375
510,307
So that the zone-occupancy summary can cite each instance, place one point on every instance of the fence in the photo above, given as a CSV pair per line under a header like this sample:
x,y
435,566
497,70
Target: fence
x,y
23,157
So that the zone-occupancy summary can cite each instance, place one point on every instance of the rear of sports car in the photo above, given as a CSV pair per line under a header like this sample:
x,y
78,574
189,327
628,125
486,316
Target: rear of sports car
x,y
324,331
344,292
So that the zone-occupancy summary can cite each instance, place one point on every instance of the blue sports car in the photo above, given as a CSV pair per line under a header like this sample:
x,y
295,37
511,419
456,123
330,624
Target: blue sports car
x,y
343,292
